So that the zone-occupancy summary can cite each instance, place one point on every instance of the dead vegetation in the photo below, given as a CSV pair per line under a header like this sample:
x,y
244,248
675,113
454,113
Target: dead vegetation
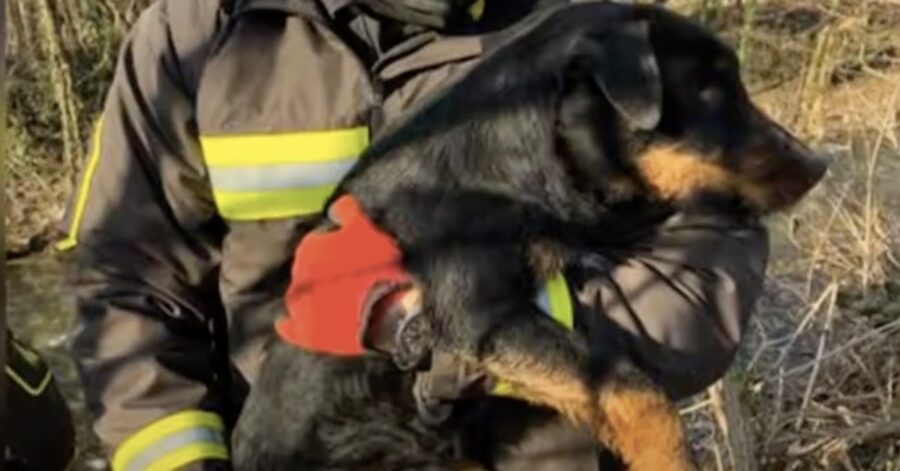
x,y
817,384
60,55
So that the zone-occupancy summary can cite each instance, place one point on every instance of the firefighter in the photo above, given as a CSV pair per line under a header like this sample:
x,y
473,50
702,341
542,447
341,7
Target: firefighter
x,y
39,431
226,126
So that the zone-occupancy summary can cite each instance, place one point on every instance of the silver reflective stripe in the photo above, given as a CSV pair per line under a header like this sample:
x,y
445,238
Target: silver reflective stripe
x,y
543,301
167,445
279,177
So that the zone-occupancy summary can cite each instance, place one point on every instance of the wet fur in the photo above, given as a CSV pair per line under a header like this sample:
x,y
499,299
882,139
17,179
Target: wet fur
x,y
488,188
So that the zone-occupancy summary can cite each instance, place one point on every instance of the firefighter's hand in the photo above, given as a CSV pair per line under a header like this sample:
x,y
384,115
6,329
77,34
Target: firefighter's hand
x,y
437,14
339,278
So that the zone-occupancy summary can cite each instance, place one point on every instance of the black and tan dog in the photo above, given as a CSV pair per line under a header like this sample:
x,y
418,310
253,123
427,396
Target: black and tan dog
x,y
580,125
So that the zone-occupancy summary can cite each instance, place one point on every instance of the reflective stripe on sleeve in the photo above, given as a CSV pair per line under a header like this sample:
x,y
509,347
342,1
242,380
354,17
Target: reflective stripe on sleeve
x,y
34,390
26,369
268,176
172,442
71,239
279,177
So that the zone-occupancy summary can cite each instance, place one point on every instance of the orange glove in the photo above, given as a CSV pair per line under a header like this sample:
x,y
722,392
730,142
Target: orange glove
x,y
336,279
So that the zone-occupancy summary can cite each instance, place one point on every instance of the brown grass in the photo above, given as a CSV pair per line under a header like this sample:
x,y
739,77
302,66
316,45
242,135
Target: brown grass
x,y
816,385
60,59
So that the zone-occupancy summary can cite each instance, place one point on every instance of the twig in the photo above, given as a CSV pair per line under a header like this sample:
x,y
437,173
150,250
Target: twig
x,y
695,407
873,433
720,465
884,329
855,436
724,397
872,164
779,407
889,395
823,339
830,292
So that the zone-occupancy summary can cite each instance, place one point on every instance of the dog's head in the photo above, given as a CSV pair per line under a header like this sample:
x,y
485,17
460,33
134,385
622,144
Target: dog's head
x,y
686,125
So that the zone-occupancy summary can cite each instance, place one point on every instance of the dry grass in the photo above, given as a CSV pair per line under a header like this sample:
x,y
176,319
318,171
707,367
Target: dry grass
x,y
60,59
817,385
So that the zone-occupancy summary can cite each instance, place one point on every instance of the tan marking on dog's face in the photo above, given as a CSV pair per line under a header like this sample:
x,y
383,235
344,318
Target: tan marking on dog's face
x,y
674,174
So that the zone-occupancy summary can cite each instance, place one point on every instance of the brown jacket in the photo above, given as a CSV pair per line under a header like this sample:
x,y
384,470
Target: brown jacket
x,y
220,137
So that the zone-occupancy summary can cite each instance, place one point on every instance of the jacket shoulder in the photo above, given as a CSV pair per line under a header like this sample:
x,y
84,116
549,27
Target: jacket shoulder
x,y
178,33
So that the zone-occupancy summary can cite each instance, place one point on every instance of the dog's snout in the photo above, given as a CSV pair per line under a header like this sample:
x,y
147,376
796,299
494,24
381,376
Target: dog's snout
x,y
802,162
815,167
788,168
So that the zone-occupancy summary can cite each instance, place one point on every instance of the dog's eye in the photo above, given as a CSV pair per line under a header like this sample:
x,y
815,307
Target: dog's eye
x,y
713,79
708,88
710,93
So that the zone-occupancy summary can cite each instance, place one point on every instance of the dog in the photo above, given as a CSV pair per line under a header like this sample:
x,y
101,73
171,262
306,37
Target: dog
x,y
584,123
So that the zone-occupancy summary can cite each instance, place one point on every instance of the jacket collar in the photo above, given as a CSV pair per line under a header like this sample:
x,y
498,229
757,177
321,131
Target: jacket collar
x,y
505,12
305,7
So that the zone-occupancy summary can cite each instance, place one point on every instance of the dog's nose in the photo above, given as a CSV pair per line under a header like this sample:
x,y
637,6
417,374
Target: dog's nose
x,y
815,167
799,174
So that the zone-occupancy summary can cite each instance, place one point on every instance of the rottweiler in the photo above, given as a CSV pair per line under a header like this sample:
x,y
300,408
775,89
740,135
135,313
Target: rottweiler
x,y
584,123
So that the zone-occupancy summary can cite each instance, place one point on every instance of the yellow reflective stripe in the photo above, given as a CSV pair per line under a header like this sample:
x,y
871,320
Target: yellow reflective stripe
x,y
560,301
561,311
29,355
502,388
254,205
72,240
159,430
32,358
279,175
477,9
189,454
31,390
283,148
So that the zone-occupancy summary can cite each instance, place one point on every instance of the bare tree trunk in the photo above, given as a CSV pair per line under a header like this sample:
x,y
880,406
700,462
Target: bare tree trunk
x,y
733,424
71,17
61,80
20,22
115,13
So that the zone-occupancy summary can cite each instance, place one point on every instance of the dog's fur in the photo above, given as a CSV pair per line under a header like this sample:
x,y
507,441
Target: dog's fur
x,y
534,148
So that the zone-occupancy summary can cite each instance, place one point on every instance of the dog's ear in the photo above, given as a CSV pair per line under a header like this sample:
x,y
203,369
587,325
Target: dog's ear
x,y
614,74
624,66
